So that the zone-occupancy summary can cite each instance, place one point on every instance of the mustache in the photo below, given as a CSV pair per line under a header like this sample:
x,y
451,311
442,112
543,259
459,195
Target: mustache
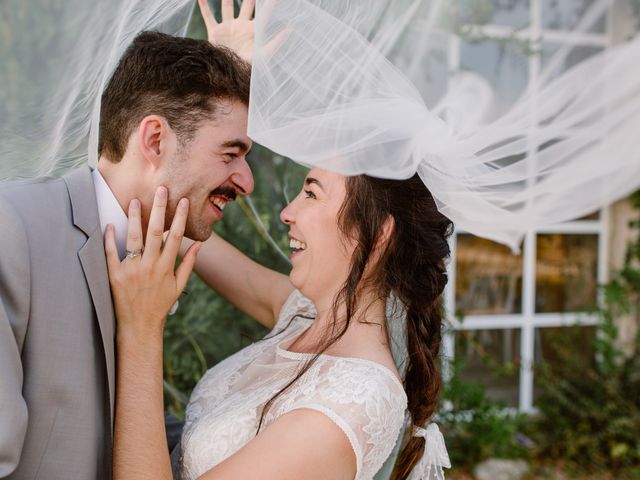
x,y
225,191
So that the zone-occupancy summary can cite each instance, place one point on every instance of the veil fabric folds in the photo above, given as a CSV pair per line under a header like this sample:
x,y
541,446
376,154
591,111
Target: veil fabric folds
x,y
342,85
57,58
327,93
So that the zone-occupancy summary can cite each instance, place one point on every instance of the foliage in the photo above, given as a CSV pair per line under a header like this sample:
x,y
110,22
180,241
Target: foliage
x,y
477,427
590,414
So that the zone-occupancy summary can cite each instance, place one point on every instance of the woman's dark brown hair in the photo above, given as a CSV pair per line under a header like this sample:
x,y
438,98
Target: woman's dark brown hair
x,y
411,265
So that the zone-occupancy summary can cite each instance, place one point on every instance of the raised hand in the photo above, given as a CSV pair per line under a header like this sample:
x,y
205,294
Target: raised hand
x,y
144,285
233,33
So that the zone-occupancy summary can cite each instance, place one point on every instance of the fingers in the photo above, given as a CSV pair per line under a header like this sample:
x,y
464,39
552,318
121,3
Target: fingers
x,y
227,10
176,233
134,234
186,266
113,259
272,47
207,15
246,10
155,228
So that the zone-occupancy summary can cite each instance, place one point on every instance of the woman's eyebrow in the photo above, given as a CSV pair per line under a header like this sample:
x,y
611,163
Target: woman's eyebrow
x,y
310,180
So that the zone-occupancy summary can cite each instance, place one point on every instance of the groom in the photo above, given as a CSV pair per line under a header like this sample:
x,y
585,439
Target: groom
x,y
174,114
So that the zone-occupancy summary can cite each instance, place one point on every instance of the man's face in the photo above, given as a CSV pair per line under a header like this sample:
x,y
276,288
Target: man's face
x,y
210,170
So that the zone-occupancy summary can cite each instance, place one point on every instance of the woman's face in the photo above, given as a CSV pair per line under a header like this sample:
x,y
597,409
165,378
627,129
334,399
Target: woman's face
x,y
320,255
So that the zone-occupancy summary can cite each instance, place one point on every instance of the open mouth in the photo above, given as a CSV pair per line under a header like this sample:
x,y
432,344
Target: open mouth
x,y
297,245
219,201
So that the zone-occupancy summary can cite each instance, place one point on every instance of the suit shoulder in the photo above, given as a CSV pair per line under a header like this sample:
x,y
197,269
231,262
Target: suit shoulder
x,y
16,188
12,225
38,194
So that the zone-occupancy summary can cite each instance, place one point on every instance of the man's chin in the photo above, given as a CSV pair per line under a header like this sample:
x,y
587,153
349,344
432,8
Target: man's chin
x,y
200,234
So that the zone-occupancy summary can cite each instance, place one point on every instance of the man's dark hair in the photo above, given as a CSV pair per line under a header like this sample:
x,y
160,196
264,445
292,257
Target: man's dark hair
x,y
180,79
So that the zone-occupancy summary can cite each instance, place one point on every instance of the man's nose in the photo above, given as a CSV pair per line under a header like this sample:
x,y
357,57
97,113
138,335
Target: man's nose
x,y
242,178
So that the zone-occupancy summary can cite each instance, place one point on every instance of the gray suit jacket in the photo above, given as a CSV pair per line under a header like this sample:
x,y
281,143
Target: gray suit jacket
x,y
57,368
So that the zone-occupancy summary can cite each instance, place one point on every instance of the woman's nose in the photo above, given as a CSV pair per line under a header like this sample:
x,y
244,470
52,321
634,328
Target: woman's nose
x,y
286,215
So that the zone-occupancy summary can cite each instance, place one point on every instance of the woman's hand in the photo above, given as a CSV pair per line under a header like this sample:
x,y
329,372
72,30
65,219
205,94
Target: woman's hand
x,y
233,33
144,285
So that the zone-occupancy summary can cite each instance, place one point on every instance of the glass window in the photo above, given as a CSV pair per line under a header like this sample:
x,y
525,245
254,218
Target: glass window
x,y
505,67
566,272
488,278
566,14
512,13
570,56
492,358
563,276
562,349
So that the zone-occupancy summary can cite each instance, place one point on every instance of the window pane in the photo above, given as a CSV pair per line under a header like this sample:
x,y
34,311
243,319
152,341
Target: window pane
x,y
566,350
505,67
488,277
565,15
492,358
514,13
566,272
569,56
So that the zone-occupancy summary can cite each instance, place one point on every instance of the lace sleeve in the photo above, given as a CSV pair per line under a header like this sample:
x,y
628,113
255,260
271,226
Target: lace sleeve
x,y
364,399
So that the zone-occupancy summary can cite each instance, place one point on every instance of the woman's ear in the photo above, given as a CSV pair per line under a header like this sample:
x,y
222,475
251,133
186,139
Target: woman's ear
x,y
385,234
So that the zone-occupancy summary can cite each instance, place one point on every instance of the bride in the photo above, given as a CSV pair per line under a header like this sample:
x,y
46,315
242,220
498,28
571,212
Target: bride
x,y
320,396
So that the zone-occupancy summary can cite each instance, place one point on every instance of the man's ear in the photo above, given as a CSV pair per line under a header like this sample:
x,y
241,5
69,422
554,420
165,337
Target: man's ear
x,y
154,136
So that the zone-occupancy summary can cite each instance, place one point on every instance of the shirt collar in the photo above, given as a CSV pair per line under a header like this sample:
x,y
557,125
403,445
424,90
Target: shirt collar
x,y
110,211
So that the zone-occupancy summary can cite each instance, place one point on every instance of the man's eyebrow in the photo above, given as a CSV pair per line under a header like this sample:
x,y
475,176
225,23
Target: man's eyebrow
x,y
242,145
310,180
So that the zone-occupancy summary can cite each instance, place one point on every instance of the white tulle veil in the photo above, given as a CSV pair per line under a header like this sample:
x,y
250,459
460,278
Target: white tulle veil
x,y
349,86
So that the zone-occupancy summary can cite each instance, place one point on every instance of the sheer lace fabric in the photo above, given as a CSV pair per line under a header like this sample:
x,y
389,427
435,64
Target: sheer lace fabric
x,y
363,398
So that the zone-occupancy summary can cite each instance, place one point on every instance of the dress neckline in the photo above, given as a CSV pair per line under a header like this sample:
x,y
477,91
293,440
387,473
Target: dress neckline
x,y
283,352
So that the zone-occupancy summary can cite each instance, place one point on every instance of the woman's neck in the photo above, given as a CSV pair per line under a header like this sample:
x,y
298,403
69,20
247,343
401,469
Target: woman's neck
x,y
367,324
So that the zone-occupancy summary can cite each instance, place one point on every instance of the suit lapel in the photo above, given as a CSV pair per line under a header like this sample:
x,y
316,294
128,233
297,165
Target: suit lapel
x,y
92,258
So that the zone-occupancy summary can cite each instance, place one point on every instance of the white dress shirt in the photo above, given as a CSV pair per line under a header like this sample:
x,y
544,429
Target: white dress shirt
x,y
110,211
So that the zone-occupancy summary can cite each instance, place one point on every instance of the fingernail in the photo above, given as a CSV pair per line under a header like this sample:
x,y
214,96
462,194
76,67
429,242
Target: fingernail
x,y
184,203
109,227
135,203
161,192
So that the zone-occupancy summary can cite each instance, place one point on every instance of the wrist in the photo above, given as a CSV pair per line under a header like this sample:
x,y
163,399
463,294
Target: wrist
x,y
136,338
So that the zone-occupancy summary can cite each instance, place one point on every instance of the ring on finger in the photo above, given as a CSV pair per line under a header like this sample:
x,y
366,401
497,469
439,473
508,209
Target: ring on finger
x,y
133,253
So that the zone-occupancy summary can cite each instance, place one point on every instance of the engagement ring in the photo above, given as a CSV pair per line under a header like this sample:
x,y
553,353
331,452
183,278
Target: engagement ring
x,y
133,253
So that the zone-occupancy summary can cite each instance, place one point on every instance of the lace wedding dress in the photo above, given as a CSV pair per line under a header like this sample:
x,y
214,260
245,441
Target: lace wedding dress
x,y
364,399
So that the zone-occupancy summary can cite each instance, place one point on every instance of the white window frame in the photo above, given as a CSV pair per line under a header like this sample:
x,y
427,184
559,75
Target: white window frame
x,y
529,320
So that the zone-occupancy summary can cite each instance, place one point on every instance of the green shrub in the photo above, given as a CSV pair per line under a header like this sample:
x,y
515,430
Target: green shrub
x,y
477,427
590,413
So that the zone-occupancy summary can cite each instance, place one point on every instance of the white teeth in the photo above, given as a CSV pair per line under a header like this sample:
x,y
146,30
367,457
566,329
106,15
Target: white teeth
x,y
297,244
218,202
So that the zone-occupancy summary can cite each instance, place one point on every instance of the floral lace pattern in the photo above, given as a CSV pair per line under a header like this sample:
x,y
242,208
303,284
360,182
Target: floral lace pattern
x,y
363,398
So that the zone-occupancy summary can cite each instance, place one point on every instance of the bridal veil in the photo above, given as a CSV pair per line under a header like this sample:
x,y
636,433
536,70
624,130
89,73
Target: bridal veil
x,y
343,85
